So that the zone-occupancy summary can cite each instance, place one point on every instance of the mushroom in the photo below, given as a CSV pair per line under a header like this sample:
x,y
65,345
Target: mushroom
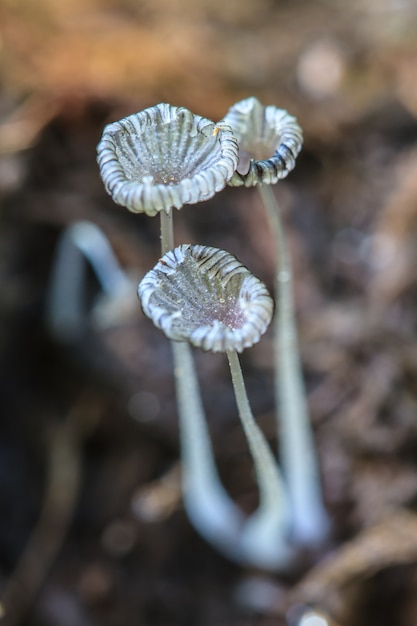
x,y
206,297
269,141
164,157
157,159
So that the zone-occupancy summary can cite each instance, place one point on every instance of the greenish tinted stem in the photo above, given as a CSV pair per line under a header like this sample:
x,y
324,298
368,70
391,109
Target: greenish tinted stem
x,y
167,232
266,532
297,447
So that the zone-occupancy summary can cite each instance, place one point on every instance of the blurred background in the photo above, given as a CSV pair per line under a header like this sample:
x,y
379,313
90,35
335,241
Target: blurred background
x,y
92,530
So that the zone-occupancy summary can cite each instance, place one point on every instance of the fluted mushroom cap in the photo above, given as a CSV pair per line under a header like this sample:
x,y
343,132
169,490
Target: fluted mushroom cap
x,y
269,141
164,157
207,297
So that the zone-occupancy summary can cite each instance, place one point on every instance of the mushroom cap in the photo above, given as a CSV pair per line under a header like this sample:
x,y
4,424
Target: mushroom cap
x,y
207,297
164,157
269,141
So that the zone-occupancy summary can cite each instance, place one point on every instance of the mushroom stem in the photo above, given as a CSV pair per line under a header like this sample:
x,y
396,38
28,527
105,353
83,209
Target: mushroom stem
x,y
81,242
297,449
167,231
208,505
265,533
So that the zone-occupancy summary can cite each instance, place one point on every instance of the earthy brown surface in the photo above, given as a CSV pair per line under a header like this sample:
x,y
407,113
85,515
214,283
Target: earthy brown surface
x,y
89,469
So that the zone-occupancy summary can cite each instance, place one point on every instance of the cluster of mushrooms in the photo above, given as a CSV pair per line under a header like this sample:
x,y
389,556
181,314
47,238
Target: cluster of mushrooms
x,y
165,157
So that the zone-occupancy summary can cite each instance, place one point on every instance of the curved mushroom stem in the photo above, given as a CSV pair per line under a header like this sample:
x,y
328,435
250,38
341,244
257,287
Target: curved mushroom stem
x,y
81,242
208,505
265,535
297,450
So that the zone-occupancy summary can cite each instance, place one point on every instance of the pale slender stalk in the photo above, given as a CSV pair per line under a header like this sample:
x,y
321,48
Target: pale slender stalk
x,y
167,232
208,505
266,532
81,242
297,448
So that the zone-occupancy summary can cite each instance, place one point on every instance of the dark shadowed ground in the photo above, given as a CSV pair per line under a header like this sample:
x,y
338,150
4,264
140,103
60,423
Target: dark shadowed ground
x,y
89,472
